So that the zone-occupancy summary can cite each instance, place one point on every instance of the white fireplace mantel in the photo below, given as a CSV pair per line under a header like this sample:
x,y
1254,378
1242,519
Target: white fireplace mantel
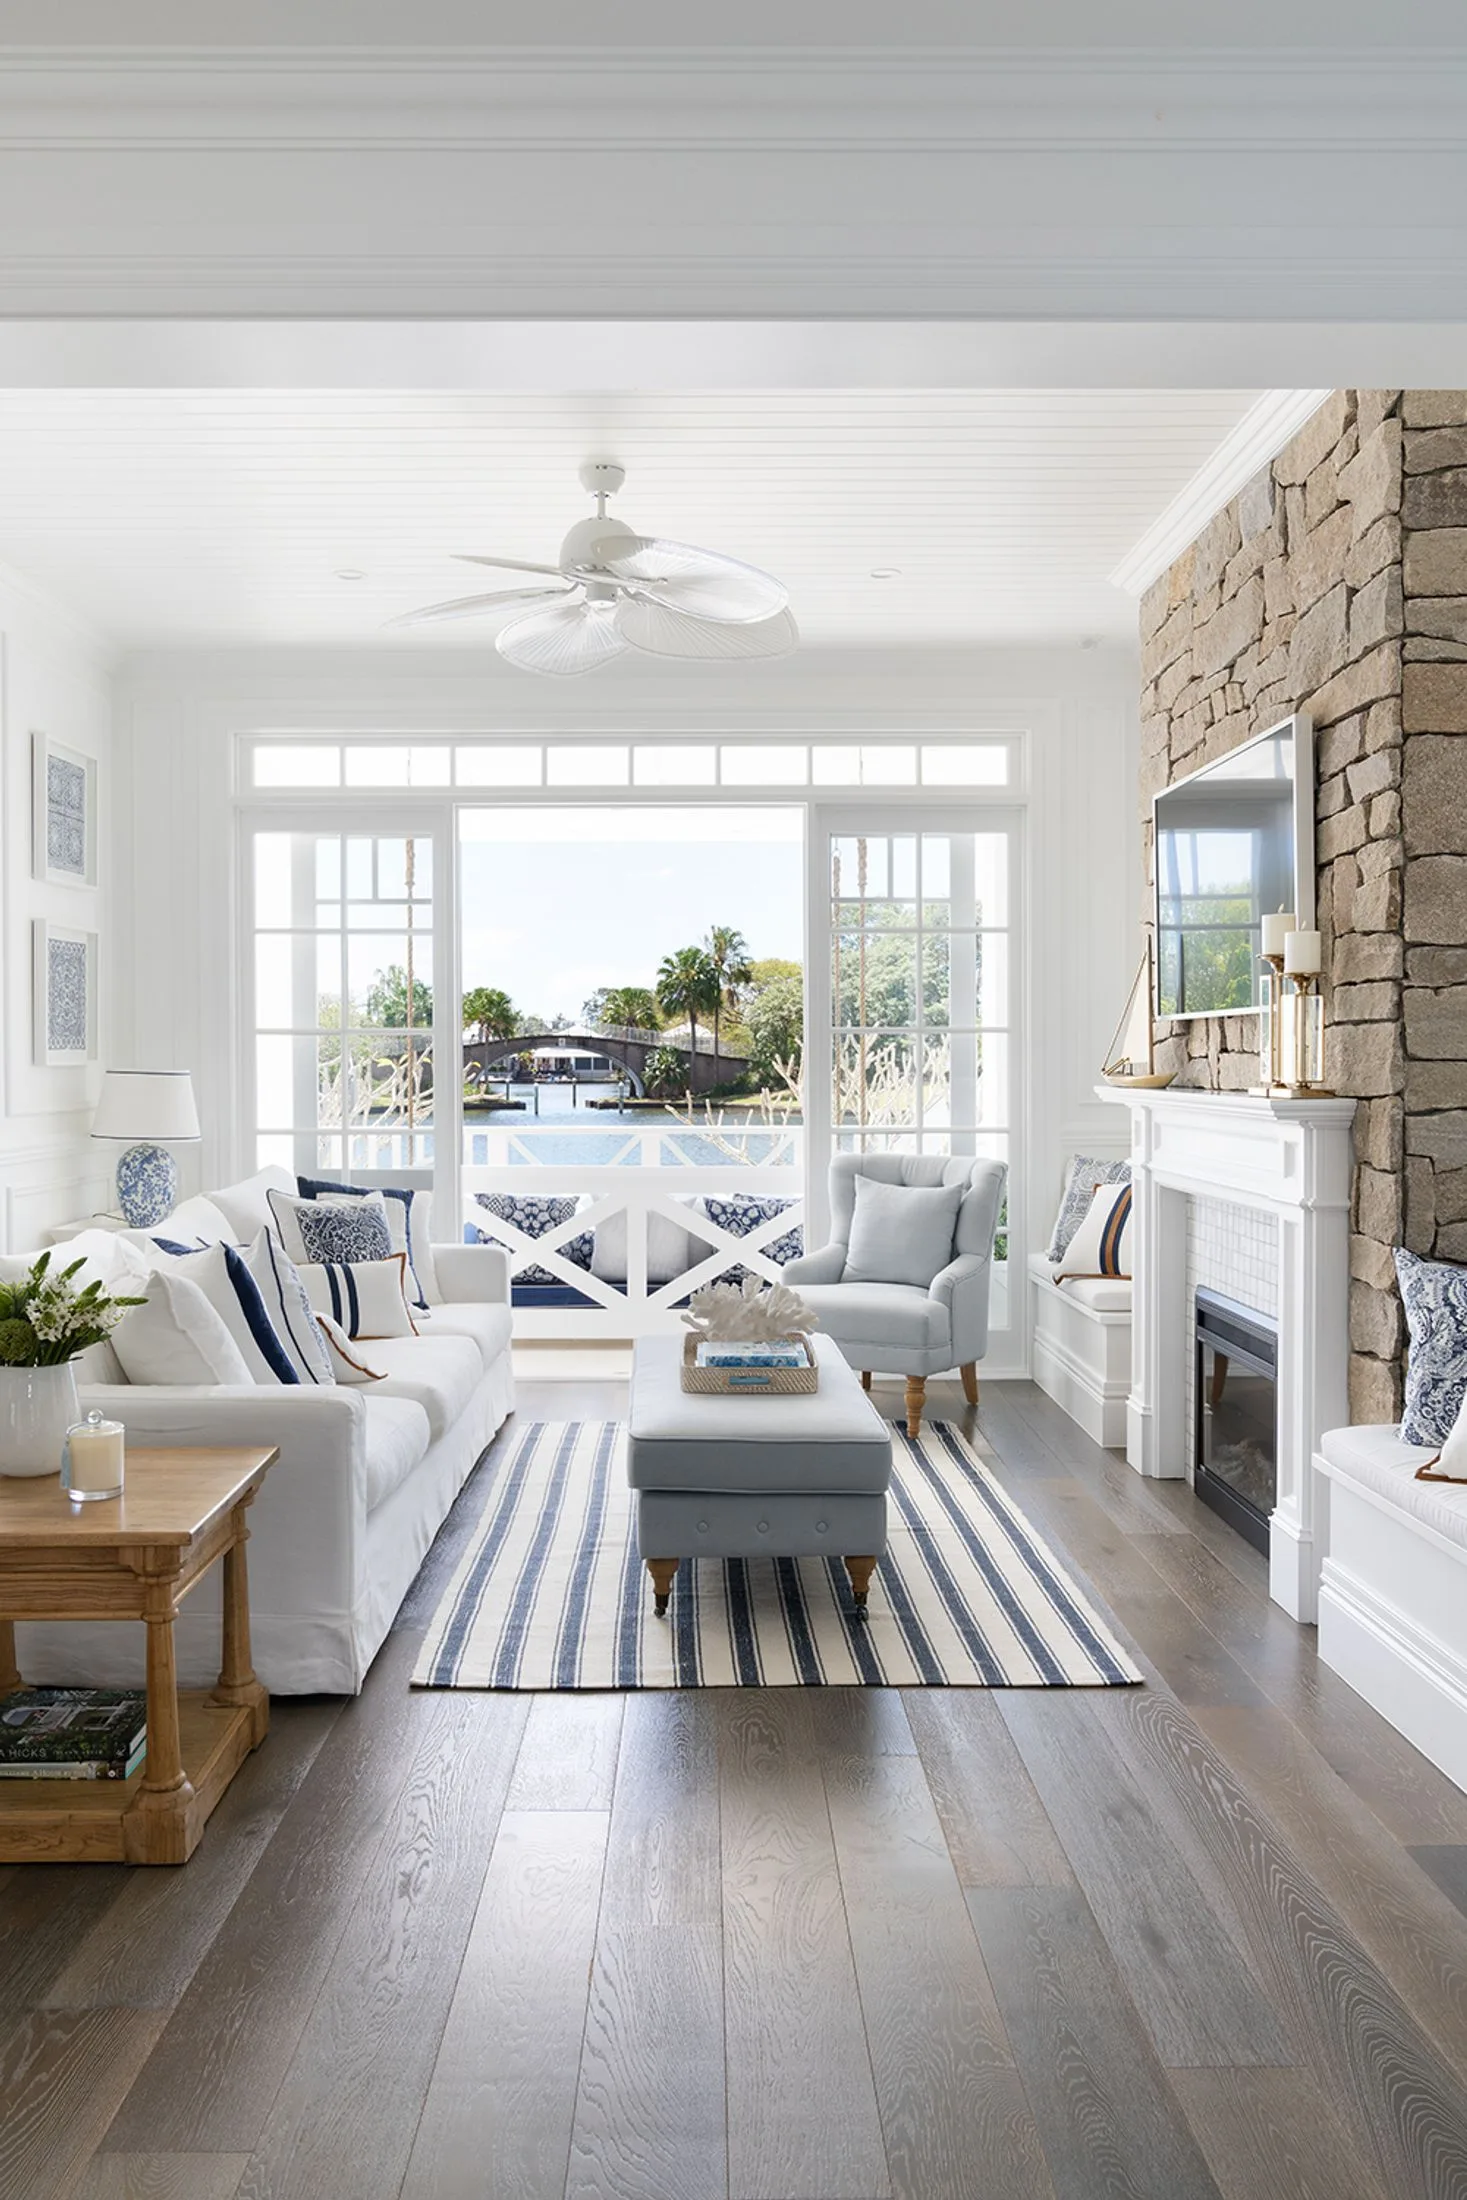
x,y
1293,1159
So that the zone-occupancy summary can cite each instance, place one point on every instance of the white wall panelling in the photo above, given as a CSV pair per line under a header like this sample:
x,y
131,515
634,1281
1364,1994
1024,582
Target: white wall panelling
x,y
57,680
181,712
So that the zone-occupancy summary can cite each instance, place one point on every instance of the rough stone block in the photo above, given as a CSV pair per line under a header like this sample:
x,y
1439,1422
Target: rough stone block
x,y
1445,616
1383,723
1434,790
1451,1241
1418,1231
1375,1391
1339,885
1320,644
1434,699
1430,1087
1429,450
1436,1025
1376,611
1322,491
1331,796
1373,774
1341,835
1366,1061
1371,407
1219,541
1384,812
1315,440
1435,562
1435,902
1365,958
1427,649
1339,745
1372,480
1441,1138
1436,500
1278,588
1365,1004
1437,965
1377,858
1377,549
1375,1321
1451,1195
1371,1263
1319,564
1366,681
1221,640
1378,1129
1434,408
1177,580
1256,502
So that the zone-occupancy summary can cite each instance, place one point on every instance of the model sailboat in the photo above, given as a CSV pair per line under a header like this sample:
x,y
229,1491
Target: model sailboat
x,y
1130,1059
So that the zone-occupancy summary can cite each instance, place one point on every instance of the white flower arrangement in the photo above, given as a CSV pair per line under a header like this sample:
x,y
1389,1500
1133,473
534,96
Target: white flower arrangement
x,y
750,1312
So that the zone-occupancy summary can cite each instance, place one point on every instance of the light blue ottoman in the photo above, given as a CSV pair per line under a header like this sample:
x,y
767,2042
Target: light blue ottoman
x,y
755,1476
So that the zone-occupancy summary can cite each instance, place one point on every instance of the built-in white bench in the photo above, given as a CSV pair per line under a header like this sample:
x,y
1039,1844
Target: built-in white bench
x,y
1393,1590
1082,1347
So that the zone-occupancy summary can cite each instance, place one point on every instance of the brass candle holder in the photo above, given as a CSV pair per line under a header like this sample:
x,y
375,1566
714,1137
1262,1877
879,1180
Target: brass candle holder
x,y
1271,1006
1305,1051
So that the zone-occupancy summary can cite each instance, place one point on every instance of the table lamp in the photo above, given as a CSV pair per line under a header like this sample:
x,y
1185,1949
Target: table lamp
x,y
146,1106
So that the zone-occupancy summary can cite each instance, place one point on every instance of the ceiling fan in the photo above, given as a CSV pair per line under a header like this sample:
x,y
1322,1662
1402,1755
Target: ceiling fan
x,y
617,590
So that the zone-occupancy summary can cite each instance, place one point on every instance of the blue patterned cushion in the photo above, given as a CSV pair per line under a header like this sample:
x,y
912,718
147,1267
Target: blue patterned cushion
x,y
535,1214
406,1209
343,1233
740,1213
1085,1178
1434,1293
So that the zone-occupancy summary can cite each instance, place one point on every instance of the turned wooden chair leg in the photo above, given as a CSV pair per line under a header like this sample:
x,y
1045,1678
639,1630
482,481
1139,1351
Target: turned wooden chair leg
x,y
662,1571
860,1571
969,1373
865,1378
916,1399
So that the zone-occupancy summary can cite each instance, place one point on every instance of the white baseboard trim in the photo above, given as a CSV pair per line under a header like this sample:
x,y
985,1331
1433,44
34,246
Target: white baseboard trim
x,y
1098,1407
1413,1679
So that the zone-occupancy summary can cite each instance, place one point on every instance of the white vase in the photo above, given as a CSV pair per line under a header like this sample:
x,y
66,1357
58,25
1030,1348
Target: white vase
x,y
37,1407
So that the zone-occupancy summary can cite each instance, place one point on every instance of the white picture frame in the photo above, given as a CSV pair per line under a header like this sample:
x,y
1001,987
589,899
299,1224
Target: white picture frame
x,y
64,989
63,814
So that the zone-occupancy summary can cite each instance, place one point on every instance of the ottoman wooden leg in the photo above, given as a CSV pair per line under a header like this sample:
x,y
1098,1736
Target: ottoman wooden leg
x,y
916,1399
860,1571
969,1373
662,1571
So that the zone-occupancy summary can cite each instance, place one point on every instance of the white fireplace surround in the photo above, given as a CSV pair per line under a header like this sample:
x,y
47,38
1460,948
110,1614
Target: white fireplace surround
x,y
1288,1158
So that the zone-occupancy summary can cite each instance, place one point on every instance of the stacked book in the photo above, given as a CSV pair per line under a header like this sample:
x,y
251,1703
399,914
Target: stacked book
x,y
787,1352
72,1733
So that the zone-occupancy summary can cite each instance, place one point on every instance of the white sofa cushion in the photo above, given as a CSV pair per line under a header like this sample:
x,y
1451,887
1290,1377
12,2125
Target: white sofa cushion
x,y
396,1438
245,1206
441,1373
191,1221
489,1327
224,1277
288,1306
671,1250
367,1297
1102,1294
1377,1459
177,1337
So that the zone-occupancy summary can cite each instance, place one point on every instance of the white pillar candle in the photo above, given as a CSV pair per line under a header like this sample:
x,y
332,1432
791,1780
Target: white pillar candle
x,y
1276,928
95,1456
1302,954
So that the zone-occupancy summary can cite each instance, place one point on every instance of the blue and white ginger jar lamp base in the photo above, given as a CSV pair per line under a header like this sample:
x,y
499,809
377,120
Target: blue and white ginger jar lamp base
x,y
147,1185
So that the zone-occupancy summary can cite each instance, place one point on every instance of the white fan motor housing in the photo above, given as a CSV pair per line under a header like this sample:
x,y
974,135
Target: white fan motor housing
x,y
587,536
602,477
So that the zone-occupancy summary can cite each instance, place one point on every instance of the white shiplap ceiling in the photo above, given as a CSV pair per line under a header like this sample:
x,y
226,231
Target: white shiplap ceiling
x,y
219,516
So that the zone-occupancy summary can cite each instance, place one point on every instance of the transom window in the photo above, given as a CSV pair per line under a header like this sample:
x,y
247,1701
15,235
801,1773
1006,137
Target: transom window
x,y
444,764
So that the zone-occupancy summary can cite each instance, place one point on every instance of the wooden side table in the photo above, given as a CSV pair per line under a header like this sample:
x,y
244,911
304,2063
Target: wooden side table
x,y
136,1557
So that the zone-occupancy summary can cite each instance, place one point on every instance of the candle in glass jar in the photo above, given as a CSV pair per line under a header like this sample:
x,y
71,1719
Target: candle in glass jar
x,y
1276,929
1302,956
94,1455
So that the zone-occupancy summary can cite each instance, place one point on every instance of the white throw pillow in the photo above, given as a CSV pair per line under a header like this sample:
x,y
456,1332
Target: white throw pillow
x,y
346,1366
244,1205
1102,1244
367,1297
177,1337
288,1304
223,1276
409,1211
197,1219
901,1233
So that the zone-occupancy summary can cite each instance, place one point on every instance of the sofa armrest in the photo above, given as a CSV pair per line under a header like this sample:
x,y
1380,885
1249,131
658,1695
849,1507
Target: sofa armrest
x,y
467,1273
308,1524
962,1287
826,1265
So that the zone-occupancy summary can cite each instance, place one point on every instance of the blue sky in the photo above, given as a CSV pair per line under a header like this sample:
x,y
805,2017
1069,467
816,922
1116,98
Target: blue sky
x,y
558,902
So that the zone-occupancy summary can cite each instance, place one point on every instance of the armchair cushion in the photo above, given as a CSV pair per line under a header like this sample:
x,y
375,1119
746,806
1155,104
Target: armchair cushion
x,y
873,1317
901,1233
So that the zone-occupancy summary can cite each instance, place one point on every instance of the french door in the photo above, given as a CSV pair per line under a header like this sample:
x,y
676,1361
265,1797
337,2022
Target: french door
x,y
912,1038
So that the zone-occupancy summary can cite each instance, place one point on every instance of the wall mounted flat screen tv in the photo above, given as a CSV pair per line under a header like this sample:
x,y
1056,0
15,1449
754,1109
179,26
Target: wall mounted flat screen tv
x,y
1232,841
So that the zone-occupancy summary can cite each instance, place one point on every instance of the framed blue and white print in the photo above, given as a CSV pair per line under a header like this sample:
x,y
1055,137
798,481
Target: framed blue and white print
x,y
65,986
64,826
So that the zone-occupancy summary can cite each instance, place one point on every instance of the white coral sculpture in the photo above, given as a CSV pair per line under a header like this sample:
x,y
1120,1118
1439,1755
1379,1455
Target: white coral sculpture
x,y
748,1313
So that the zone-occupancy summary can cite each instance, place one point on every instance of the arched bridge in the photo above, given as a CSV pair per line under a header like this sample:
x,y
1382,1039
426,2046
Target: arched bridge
x,y
623,1052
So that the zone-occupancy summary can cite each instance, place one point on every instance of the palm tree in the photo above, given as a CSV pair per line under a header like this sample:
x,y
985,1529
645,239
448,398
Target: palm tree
x,y
687,985
490,1012
629,1008
728,951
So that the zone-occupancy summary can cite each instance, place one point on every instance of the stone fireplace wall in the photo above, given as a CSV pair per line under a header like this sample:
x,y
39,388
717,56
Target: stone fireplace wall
x,y
1336,584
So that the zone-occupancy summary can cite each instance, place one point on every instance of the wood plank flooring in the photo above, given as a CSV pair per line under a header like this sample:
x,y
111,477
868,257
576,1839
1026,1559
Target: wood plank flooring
x,y
1205,1940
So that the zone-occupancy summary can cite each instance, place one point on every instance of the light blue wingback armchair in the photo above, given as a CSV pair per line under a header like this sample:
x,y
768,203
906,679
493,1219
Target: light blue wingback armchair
x,y
904,1328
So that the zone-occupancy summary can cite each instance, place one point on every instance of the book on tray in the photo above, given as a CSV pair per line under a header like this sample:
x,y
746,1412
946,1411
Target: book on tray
x,y
792,1354
72,1733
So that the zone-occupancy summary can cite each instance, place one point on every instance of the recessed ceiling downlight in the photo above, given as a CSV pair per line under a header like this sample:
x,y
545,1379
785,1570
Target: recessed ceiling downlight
x,y
350,573
886,572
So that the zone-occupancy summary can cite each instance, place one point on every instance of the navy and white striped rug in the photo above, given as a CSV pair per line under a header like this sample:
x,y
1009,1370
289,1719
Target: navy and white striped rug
x,y
551,1593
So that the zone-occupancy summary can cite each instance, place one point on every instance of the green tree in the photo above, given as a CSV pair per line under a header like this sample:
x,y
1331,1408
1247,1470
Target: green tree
x,y
774,1017
728,951
386,1004
687,985
490,1013
664,1071
628,1008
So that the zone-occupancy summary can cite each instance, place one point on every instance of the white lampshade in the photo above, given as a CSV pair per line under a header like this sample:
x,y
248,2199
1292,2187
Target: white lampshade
x,y
146,1104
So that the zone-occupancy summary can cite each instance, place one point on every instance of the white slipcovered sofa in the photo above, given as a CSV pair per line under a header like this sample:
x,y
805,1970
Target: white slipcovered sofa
x,y
1393,1587
365,1477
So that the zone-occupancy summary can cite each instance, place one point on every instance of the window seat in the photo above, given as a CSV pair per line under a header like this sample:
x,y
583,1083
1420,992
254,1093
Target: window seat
x,y
1082,1347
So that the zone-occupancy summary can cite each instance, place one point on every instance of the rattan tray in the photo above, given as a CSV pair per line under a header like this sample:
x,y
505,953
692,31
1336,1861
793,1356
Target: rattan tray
x,y
748,1382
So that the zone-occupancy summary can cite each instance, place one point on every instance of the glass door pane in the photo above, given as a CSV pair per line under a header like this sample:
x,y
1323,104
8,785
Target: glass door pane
x,y
343,1000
